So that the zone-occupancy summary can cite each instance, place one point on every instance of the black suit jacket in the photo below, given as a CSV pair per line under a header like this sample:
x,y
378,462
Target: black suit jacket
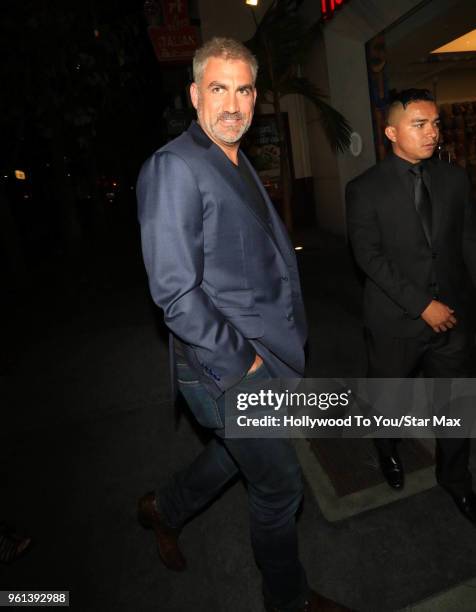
x,y
404,271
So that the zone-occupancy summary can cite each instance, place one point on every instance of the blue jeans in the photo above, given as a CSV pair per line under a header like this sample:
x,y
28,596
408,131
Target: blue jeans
x,y
273,476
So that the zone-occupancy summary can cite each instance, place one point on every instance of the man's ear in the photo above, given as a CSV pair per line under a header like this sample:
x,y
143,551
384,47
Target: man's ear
x,y
194,95
390,133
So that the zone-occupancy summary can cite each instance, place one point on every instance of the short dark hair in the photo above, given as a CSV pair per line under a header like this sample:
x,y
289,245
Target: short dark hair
x,y
407,96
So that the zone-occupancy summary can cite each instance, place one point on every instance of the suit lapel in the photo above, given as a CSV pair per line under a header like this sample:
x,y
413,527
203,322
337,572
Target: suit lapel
x,y
244,195
395,186
275,228
240,187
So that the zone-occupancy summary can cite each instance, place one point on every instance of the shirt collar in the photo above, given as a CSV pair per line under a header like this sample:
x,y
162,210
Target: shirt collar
x,y
199,135
402,166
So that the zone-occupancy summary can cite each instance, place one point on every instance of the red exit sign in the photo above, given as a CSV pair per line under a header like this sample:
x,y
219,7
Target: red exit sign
x,y
329,7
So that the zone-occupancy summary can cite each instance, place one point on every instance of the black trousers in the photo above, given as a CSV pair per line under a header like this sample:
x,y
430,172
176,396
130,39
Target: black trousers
x,y
443,355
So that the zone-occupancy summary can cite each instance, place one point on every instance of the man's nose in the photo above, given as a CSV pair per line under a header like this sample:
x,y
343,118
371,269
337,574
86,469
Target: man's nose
x,y
231,102
433,131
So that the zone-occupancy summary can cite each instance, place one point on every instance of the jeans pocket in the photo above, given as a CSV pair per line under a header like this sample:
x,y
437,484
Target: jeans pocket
x,y
204,408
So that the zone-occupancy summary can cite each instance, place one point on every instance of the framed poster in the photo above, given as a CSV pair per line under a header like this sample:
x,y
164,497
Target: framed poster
x,y
261,145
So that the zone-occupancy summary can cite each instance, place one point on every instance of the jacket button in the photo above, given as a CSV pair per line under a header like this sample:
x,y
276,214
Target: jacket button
x,y
284,278
434,255
290,317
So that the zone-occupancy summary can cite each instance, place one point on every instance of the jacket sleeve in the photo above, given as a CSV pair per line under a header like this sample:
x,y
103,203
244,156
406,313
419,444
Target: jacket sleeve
x,y
469,235
365,238
171,218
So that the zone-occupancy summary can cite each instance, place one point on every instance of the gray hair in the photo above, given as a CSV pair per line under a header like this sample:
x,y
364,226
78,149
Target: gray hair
x,y
226,48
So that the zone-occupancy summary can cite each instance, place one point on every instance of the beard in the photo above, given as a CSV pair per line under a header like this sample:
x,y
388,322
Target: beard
x,y
219,131
233,133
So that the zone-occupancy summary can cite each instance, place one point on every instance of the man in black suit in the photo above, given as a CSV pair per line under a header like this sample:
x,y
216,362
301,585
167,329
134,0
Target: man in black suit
x,y
411,223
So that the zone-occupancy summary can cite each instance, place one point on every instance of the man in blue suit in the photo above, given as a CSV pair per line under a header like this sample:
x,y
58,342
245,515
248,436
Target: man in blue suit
x,y
222,268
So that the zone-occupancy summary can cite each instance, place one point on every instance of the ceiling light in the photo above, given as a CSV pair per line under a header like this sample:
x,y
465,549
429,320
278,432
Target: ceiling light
x,y
463,44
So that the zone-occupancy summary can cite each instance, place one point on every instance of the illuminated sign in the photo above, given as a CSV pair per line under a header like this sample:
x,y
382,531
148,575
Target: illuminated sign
x,y
175,40
329,7
20,175
174,45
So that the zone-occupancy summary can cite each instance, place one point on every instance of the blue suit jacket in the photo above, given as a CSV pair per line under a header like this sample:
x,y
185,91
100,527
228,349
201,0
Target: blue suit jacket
x,y
226,279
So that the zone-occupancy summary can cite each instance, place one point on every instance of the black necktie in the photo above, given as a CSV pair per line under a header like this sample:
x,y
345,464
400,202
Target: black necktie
x,y
422,200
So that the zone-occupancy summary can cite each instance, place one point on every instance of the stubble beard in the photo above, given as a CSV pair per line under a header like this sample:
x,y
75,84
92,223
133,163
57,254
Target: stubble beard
x,y
229,137
225,136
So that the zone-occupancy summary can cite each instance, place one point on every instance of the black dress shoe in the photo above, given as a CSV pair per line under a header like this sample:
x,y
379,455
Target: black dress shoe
x,y
316,603
166,537
392,470
466,505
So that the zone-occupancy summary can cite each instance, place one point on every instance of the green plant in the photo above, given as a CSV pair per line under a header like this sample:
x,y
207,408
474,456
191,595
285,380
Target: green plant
x,y
282,43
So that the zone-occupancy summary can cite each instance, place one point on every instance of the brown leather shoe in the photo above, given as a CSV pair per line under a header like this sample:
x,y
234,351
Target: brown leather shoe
x,y
316,603
167,537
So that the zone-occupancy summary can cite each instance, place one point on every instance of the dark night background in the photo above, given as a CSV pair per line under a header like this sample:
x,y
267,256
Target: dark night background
x,y
82,106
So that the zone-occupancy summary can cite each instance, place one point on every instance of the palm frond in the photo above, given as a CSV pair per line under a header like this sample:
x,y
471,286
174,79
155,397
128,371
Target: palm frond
x,y
281,43
336,126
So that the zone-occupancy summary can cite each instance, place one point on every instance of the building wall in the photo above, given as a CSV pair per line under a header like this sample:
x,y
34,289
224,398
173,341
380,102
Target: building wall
x,y
342,49
454,86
